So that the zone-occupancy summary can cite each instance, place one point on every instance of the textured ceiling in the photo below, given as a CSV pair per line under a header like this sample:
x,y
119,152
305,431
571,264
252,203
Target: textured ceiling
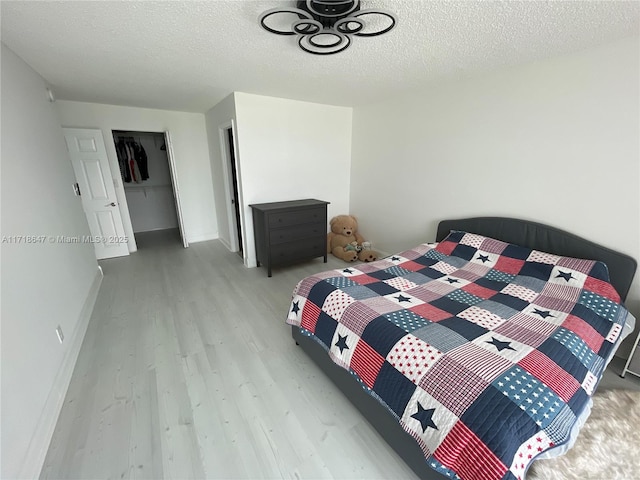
x,y
188,55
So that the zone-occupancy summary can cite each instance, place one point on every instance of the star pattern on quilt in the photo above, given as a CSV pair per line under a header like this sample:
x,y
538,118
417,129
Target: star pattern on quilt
x,y
425,417
295,307
542,313
401,298
342,343
501,345
566,275
417,330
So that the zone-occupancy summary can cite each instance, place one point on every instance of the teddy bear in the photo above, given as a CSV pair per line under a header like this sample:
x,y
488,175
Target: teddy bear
x,y
346,243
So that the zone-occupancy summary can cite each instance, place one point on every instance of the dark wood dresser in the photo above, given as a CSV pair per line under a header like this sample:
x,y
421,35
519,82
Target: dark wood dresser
x,y
288,232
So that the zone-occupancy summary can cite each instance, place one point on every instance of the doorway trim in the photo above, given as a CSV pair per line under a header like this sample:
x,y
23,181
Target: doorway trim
x,y
126,218
234,240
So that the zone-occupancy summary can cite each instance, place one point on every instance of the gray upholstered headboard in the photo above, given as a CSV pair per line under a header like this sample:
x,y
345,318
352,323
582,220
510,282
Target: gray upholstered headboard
x,y
547,239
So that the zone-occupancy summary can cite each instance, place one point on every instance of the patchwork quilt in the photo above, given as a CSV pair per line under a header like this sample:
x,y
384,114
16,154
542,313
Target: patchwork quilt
x,y
485,352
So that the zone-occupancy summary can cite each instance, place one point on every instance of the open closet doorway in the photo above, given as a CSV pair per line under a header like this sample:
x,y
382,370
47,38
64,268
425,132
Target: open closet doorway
x,y
230,167
147,168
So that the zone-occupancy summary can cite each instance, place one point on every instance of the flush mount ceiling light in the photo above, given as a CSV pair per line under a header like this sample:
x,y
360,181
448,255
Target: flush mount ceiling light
x,y
325,27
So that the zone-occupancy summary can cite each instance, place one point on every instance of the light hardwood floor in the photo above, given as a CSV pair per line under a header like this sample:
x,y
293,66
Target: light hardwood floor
x,y
188,370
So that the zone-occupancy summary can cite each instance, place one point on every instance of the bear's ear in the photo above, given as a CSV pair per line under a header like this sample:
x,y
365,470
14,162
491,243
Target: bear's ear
x,y
333,220
353,218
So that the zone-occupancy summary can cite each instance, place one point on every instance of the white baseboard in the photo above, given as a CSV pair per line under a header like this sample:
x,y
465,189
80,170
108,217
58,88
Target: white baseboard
x,y
203,237
41,439
225,243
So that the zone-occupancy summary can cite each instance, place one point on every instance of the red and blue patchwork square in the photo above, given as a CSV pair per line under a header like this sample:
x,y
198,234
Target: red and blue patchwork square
x,y
400,283
586,332
393,388
427,420
498,276
295,309
576,346
549,315
527,452
461,296
548,371
540,271
336,303
382,335
562,355
310,314
555,304
424,293
479,291
566,276
602,288
510,420
382,288
446,247
443,338
413,357
485,364
535,324
319,292
342,346
414,266
543,257
366,362
530,394
381,305
453,385
472,272
509,265
482,317
465,328
503,346
325,328
449,305
600,305
357,316
565,292
492,245
460,445
363,279
486,259
407,320
359,292
513,329
340,281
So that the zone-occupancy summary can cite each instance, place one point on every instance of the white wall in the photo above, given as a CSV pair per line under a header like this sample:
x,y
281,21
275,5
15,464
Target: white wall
x,y
289,150
220,116
556,141
190,148
43,284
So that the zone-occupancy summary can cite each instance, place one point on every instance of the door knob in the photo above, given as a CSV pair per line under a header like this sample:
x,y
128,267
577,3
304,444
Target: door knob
x,y
112,204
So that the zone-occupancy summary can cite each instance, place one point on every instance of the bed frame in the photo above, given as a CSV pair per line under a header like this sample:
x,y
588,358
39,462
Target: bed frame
x,y
520,232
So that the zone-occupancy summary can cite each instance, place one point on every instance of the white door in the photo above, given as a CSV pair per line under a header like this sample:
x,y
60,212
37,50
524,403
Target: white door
x,y
176,189
98,195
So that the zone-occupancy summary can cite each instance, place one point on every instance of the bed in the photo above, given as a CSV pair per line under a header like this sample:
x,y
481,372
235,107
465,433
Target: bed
x,y
508,317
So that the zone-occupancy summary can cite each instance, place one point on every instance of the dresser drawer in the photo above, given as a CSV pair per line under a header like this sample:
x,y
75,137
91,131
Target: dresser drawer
x,y
290,234
287,252
297,217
